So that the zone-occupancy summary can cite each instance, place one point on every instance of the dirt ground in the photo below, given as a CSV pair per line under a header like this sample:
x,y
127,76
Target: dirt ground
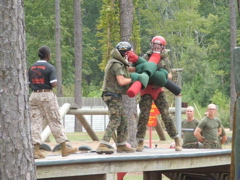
x,y
94,144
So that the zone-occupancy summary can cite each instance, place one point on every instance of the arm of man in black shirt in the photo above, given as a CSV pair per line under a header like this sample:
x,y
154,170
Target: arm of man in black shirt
x,y
54,84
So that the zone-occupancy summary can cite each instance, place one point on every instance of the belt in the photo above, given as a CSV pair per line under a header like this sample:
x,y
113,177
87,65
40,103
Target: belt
x,y
107,93
42,90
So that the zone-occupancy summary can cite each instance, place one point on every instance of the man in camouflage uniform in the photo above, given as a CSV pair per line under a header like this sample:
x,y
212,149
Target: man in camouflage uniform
x,y
116,81
43,104
155,93
189,140
209,129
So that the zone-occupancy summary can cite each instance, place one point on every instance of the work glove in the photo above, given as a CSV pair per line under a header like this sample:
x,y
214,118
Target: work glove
x,y
131,56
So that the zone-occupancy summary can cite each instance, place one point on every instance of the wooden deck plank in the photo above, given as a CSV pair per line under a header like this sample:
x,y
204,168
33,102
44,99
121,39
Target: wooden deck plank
x,y
83,164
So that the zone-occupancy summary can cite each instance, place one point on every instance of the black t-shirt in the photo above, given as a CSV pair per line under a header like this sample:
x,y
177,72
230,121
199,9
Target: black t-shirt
x,y
41,74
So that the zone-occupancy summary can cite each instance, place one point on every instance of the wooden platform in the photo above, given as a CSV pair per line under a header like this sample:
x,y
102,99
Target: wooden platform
x,y
152,162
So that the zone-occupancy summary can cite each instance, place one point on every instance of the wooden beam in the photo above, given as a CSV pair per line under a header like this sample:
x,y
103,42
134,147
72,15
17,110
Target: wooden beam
x,y
149,160
87,127
105,111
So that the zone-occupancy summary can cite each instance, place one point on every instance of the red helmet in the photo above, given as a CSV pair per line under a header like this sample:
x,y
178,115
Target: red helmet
x,y
159,40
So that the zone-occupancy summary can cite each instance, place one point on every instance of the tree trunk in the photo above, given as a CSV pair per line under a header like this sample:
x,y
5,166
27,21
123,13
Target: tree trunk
x,y
16,152
129,104
58,49
233,29
78,57
126,19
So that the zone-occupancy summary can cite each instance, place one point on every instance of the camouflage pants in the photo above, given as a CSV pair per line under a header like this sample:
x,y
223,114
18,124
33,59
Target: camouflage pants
x,y
194,145
44,108
118,121
161,103
211,144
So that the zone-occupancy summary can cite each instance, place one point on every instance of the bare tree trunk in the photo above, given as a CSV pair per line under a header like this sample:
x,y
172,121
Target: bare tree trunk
x,y
78,57
129,104
233,29
58,49
16,152
126,19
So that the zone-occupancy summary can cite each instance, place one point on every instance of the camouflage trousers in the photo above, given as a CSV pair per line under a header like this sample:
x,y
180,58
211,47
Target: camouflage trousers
x,y
194,145
207,144
161,103
44,109
117,121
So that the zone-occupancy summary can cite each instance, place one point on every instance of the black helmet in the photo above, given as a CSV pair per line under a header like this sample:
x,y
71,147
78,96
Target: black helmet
x,y
123,47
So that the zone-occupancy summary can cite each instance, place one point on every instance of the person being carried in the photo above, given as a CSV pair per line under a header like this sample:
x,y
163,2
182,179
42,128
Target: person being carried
x,y
209,129
189,140
43,104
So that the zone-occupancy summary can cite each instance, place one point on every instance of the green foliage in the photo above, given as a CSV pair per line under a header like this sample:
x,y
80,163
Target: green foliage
x,y
109,29
40,30
68,90
92,91
136,29
197,33
39,17
198,41
223,105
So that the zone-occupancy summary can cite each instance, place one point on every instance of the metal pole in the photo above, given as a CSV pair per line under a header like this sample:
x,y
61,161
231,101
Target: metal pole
x,y
150,136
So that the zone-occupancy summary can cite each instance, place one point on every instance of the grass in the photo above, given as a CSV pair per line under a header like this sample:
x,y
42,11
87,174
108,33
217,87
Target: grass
x,y
83,136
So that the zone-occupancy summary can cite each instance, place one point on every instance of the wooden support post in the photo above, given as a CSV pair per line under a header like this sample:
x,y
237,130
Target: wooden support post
x,y
235,161
87,127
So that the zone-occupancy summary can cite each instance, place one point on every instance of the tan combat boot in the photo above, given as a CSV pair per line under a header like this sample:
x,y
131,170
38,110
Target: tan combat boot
x,y
124,148
178,146
37,152
103,148
140,146
66,151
